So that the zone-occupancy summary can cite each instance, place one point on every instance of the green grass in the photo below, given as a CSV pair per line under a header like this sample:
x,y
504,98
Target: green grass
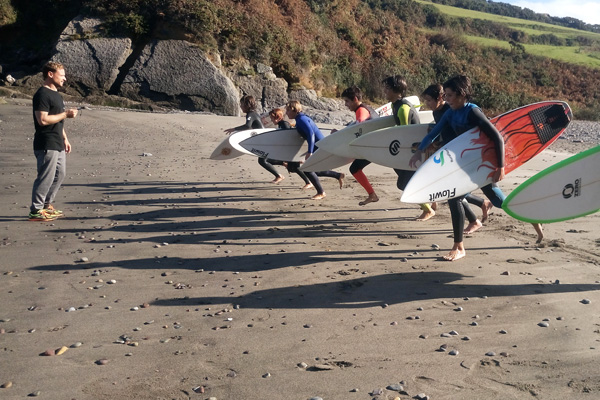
x,y
529,27
568,54
571,54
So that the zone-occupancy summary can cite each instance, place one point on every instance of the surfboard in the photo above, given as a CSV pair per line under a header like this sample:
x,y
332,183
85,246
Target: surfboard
x,y
322,160
568,189
338,143
469,161
230,146
279,144
391,147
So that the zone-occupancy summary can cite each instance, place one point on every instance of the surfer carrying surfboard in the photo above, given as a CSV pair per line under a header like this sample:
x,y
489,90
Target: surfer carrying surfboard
x,y
253,121
276,116
462,116
404,113
307,128
352,97
433,97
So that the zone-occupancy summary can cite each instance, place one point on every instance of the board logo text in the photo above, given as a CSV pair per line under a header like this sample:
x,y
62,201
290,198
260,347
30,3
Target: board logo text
x,y
444,194
259,153
572,189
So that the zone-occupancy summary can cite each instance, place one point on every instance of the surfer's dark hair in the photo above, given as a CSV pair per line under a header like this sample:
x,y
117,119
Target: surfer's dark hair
x,y
396,84
434,91
248,102
461,85
352,92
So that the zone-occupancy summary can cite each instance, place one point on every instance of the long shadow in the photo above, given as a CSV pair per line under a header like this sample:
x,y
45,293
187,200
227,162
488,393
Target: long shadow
x,y
375,291
256,262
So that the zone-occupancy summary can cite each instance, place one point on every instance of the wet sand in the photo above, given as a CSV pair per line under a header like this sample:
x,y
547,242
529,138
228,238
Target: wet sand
x,y
225,286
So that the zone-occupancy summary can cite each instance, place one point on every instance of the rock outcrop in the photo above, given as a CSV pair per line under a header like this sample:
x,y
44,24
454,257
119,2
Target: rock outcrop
x,y
178,73
92,62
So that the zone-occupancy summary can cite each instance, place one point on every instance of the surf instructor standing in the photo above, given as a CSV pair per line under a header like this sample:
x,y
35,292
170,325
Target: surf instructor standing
x,y
50,144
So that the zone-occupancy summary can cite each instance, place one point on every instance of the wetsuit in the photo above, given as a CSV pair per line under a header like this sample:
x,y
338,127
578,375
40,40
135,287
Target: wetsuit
x,y
292,166
363,113
253,121
468,117
307,128
404,114
446,136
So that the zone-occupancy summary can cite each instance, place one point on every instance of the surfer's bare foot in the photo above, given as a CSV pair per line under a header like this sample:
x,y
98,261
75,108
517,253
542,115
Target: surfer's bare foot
x,y
434,206
540,233
278,179
472,227
341,180
307,186
425,215
319,196
371,199
455,255
486,207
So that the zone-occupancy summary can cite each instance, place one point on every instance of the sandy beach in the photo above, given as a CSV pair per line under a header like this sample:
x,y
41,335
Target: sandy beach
x,y
173,276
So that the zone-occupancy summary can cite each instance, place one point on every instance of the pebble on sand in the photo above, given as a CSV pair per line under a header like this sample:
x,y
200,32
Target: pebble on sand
x,y
62,350
6,385
102,361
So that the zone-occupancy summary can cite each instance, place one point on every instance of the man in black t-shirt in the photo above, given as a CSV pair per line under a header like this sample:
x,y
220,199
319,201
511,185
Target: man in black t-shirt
x,y
50,144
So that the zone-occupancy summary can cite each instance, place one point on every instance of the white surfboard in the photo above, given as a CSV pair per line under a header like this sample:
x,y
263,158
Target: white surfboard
x,y
338,143
391,147
230,146
566,190
469,161
322,160
279,144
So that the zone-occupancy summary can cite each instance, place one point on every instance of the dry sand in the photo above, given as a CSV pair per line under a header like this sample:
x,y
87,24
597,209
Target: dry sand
x,y
226,284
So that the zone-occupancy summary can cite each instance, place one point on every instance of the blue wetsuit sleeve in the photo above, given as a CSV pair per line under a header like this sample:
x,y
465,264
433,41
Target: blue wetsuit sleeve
x,y
435,132
306,132
477,118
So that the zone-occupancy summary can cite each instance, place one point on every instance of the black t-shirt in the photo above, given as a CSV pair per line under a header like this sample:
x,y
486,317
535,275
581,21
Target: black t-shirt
x,y
49,137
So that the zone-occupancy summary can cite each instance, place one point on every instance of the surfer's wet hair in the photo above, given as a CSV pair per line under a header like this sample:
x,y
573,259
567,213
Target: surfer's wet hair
x,y
248,102
396,84
434,91
51,66
461,85
352,92
294,106
276,113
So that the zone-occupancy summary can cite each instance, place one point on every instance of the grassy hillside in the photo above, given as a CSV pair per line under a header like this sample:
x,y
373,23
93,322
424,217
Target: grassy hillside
x,y
584,48
331,44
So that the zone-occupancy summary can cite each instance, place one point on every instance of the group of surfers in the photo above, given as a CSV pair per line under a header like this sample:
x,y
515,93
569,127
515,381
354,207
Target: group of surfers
x,y
453,113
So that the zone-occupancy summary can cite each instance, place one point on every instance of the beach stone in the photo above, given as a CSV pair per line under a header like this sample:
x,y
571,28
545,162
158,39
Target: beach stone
x,y
453,352
49,352
84,259
453,333
490,354
76,345
6,385
267,375
35,393
504,332
422,396
313,398
586,301
102,361
377,392
62,350
544,324
396,387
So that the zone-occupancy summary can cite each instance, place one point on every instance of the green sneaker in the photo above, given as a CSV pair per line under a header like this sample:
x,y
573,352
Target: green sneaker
x,y
53,211
41,215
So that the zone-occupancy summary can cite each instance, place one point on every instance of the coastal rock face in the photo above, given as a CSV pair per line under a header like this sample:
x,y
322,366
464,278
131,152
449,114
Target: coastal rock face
x,y
178,73
92,62
269,91
308,97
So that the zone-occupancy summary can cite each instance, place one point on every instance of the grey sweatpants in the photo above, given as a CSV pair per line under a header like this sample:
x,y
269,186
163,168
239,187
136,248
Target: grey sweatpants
x,y
51,170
